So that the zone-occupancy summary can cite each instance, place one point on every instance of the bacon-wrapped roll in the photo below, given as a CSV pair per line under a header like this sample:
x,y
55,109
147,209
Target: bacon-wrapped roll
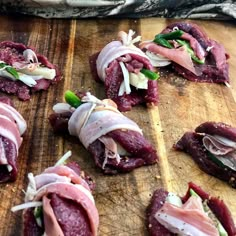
x,y
193,54
23,71
213,147
126,72
12,127
59,202
195,214
116,142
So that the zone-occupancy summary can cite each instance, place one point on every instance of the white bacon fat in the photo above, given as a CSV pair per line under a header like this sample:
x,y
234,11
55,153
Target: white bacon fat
x,y
115,49
12,126
95,118
121,50
66,183
222,148
188,219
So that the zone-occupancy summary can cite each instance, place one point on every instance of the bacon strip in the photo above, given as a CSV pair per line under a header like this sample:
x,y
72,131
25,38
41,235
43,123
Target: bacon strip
x,y
59,180
113,66
12,126
112,51
179,55
188,219
91,121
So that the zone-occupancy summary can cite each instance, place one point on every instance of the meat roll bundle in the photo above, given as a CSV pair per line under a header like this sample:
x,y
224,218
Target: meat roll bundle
x,y
126,72
116,142
23,71
59,202
12,127
194,55
195,214
213,147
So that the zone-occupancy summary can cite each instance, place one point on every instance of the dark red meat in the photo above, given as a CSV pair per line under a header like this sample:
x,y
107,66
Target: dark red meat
x,y
15,87
31,228
153,226
142,152
113,80
11,52
11,154
215,69
192,144
71,216
215,204
218,207
76,168
217,128
59,122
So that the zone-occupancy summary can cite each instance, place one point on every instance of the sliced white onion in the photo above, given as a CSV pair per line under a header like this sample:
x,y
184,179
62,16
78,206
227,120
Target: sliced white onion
x,y
26,205
130,36
91,98
9,168
62,107
121,89
126,77
63,158
27,79
175,28
140,81
208,49
30,56
174,199
44,72
31,188
39,221
227,161
225,141
227,84
121,150
5,74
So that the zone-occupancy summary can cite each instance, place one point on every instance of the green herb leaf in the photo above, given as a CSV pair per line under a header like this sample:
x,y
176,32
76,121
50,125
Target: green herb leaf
x,y
163,42
38,211
162,39
150,74
176,34
72,99
214,159
13,72
10,70
210,214
193,193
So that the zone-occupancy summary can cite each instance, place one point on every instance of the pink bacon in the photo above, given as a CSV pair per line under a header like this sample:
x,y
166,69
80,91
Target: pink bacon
x,y
91,121
116,49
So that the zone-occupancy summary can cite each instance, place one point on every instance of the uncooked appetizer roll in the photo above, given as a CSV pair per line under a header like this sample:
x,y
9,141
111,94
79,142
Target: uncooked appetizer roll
x,y
59,202
195,214
116,142
12,127
23,71
192,53
126,72
213,147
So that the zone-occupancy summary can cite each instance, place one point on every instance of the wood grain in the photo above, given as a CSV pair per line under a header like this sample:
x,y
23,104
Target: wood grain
x,y
121,199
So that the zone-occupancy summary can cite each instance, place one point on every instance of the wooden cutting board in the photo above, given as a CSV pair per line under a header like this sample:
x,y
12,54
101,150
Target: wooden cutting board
x,y
121,199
